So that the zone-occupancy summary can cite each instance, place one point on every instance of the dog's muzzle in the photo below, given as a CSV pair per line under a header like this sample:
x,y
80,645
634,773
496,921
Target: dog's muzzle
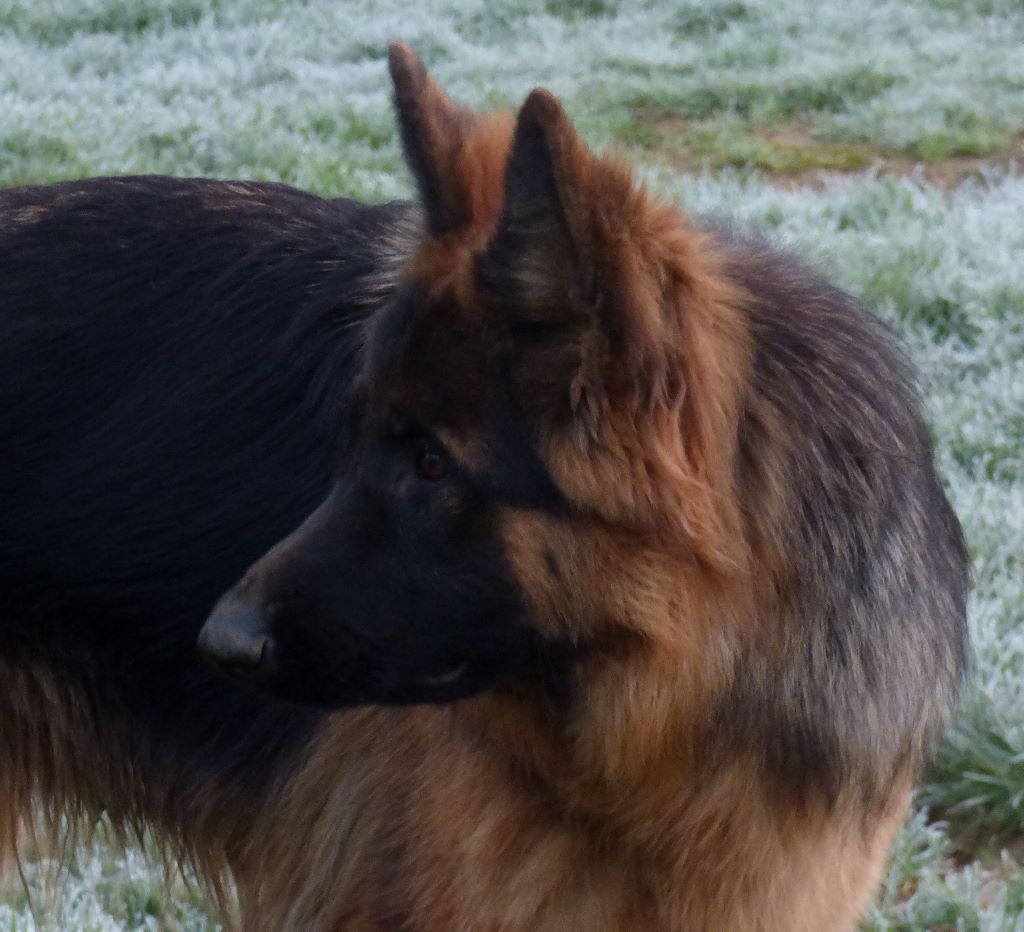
x,y
236,638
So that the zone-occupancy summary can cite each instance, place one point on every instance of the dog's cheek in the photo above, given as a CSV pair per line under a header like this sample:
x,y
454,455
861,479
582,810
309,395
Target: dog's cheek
x,y
555,569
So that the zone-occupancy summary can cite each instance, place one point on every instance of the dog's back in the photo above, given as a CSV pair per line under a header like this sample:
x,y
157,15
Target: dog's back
x,y
173,360
655,504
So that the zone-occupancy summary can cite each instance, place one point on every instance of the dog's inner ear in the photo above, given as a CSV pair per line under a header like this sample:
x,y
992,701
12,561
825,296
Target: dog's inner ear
x,y
456,156
536,273
534,251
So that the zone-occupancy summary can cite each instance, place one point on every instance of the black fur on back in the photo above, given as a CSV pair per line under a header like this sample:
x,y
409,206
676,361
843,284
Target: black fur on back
x,y
171,404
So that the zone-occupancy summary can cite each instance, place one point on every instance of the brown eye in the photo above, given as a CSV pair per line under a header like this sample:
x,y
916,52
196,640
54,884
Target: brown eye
x,y
431,464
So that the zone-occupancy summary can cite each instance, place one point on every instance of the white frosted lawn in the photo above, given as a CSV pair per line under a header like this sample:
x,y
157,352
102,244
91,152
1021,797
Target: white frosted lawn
x,y
298,92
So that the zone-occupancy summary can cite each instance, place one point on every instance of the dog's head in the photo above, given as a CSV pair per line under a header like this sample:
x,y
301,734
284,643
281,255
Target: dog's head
x,y
542,432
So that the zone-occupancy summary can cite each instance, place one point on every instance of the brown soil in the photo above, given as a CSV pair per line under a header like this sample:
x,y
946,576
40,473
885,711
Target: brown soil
x,y
793,156
945,173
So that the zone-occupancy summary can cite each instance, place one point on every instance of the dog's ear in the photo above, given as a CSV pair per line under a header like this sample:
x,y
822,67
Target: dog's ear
x,y
538,253
619,324
434,130
542,267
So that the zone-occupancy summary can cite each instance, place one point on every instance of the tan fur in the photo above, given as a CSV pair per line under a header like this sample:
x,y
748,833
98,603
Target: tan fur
x,y
64,767
465,152
623,810
630,804
432,825
445,818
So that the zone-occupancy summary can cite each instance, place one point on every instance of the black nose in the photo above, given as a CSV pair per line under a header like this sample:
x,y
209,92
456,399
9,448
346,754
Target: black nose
x,y
235,637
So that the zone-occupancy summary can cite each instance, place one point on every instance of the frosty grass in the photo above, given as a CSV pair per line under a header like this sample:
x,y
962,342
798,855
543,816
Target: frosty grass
x,y
297,92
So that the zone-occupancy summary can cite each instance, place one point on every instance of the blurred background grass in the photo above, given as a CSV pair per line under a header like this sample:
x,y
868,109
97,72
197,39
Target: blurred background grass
x,y
881,139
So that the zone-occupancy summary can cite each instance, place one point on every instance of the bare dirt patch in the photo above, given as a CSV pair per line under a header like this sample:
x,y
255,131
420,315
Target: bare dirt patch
x,y
792,155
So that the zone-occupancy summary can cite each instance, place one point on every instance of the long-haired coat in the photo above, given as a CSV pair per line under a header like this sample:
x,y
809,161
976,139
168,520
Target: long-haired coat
x,y
594,571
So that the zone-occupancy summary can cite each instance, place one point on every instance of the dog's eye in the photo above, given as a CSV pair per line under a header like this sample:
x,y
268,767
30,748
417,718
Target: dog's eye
x,y
398,426
431,464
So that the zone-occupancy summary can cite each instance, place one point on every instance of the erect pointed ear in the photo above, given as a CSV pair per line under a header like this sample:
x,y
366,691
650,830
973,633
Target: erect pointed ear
x,y
539,253
538,271
433,129
618,322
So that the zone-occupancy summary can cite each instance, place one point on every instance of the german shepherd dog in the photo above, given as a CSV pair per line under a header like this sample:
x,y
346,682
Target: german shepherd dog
x,y
624,594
